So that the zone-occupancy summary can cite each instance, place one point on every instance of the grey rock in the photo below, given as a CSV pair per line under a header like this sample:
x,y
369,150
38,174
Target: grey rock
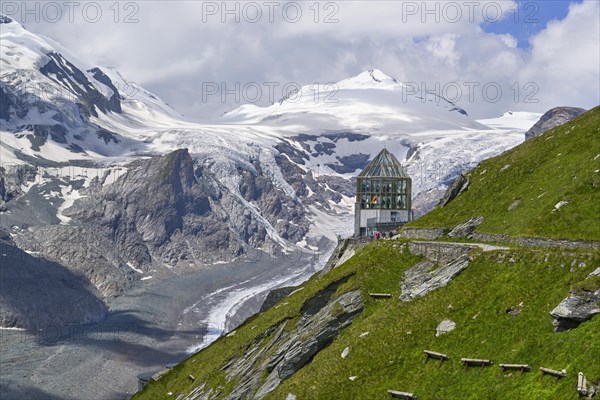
x,y
162,211
466,229
275,296
346,352
574,310
297,156
5,103
158,213
73,127
82,251
459,185
72,77
5,20
350,164
514,204
559,205
425,201
5,236
444,327
420,280
284,212
553,118
345,249
39,294
281,351
12,178
515,311
315,332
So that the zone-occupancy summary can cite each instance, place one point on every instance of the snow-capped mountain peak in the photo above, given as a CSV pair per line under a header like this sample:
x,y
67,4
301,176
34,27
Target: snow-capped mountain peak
x,y
373,78
370,102
56,106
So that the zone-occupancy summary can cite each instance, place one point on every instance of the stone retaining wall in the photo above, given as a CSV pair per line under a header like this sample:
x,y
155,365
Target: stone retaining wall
x,y
422,233
440,253
437,233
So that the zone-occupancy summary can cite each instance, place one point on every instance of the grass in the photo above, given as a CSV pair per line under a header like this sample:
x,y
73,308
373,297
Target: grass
x,y
588,286
391,356
562,164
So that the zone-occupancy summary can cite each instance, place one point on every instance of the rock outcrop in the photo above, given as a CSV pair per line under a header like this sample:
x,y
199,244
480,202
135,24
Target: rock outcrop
x,y
275,296
466,229
315,332
580,306
12,178
282,350
553,118
84,252
441,253
345,250
42,295
423,278
158,211
575,309
459,185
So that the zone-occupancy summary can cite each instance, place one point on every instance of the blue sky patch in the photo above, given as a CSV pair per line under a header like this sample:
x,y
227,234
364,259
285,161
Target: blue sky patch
x,y
531,17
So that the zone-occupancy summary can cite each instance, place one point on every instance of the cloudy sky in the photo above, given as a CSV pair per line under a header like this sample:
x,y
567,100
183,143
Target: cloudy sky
x,y
488,56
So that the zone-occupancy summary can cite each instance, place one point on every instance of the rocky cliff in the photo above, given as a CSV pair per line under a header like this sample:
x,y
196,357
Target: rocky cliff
x,y
553,118
38,293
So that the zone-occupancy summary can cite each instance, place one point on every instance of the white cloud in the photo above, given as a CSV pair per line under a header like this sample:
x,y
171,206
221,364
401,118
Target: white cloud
x,y
173,52
565,58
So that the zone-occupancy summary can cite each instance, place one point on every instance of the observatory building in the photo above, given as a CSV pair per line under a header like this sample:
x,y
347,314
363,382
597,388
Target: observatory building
x,y
383,196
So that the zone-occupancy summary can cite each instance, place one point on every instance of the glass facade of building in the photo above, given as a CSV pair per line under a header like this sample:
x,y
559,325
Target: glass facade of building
x,y
384,194
384,185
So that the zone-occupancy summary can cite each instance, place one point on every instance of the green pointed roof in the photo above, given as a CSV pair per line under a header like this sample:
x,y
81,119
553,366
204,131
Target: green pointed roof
x,y
384,165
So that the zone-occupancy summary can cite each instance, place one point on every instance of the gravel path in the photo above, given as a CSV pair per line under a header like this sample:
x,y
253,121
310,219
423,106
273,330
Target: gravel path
x,y
482,246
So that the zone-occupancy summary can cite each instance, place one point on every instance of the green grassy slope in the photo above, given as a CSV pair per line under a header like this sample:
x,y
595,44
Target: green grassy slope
x,y
391,356
561,164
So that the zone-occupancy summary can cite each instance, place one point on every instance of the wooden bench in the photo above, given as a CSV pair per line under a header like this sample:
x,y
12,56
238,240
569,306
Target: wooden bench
x,y
394,394
516,367
582,384
380,295
159,374
475,362
557,374
438,356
